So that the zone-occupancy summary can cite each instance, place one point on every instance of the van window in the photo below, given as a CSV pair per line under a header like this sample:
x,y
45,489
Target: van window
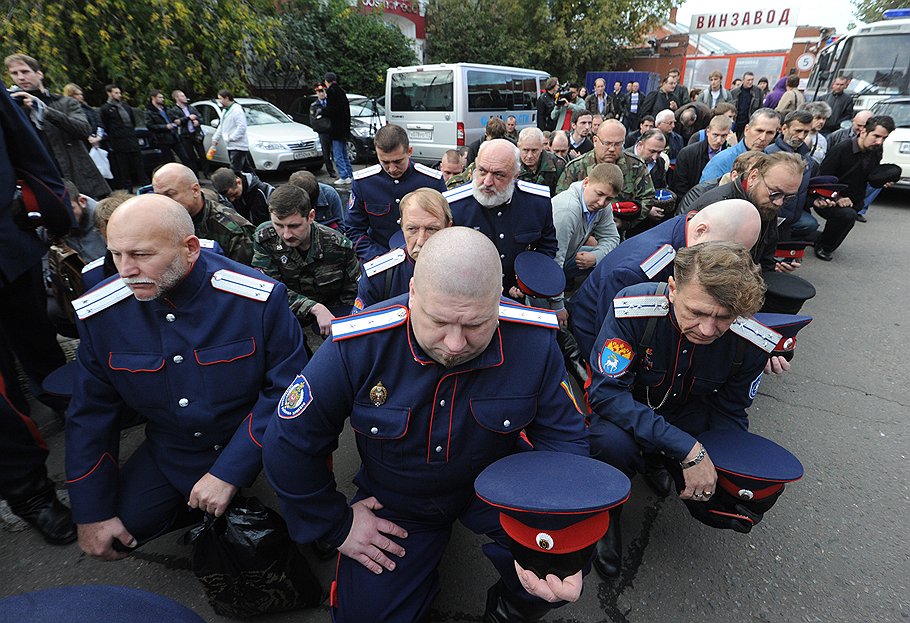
x,y
493,90
422,91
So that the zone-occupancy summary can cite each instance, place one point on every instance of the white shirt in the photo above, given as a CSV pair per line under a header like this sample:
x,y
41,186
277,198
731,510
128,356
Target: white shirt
x,y
233,129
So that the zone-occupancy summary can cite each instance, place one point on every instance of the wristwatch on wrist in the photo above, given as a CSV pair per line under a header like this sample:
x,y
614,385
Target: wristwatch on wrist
x,y
698,459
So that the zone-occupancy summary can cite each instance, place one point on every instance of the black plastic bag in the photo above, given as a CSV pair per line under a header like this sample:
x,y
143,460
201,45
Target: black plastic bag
x,y
248,564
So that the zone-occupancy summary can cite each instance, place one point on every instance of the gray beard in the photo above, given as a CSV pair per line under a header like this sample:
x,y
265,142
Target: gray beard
x,y
496,199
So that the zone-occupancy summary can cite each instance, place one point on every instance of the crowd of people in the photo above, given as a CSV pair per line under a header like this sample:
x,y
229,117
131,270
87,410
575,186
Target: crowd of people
x,y
218,316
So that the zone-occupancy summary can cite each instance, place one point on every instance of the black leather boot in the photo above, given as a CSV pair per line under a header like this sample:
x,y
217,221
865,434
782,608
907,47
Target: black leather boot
x,y
657,476
608,554
500,609
572,355
38,506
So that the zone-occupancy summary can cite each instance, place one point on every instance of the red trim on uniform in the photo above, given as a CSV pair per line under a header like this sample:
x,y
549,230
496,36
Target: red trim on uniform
x,y
523,435
388,209
28,422
98,464
451,416
250,430
333,591
110,365
565,541
757,494
330,463
733,515
211,363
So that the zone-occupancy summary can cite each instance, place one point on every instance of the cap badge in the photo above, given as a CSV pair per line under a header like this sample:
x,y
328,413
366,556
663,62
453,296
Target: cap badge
x,y
544,541
378,395
745,494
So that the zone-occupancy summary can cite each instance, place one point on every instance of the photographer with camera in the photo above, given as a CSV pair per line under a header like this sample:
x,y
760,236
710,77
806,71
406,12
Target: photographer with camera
x,y
545,105
567,102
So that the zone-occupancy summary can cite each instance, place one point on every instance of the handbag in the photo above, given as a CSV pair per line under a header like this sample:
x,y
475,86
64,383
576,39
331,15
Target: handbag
x,y
99,157
248,564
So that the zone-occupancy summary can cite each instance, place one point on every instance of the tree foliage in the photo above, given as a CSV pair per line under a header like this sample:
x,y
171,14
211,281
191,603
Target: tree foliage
x,y
871,10
330,35
564,37
195,45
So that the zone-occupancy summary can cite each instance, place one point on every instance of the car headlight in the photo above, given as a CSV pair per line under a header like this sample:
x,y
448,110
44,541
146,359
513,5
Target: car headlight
x,y
904,147
264,146
363,131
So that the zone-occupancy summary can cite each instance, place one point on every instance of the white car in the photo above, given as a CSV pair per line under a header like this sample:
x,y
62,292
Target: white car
x,y
277,142
896,149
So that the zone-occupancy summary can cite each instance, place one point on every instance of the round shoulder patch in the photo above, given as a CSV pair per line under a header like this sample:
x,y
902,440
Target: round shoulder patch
x,y
297,397
615,357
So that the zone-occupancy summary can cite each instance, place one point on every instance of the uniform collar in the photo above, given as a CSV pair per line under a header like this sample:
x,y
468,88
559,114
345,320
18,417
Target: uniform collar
x,y
189,286
404,175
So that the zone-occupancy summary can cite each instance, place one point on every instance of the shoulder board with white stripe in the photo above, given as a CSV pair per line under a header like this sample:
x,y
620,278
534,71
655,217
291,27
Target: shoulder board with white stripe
x,y
205,243
534,189
757,333
242,285
362,324
528,315
367,172
427,170
101,298
459,192
658,261
93,265
384,262
641,306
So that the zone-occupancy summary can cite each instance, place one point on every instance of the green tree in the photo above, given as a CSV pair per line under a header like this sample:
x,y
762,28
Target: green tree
x,y
198,46
871,10
565,37
330,35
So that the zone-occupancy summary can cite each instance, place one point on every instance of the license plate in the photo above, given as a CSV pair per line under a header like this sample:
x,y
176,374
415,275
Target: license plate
x,y
301,155
421,135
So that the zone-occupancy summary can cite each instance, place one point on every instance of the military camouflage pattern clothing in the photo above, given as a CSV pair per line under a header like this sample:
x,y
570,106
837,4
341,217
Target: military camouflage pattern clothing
x,y
325,273
637,185
549,170
226,227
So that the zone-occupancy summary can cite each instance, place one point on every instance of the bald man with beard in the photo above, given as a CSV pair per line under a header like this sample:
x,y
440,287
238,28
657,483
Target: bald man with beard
x,y
438,384
198,346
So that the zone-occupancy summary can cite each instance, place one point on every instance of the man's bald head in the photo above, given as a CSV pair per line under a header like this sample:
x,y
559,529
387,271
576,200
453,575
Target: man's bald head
x,y
180,184
454,295
730,220
459,261
151,240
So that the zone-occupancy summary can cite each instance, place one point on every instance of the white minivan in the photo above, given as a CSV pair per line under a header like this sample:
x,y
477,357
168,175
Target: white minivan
x,y
447,105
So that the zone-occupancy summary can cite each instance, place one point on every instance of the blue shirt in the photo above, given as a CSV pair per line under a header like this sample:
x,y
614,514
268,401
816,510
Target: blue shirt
x,y
722,162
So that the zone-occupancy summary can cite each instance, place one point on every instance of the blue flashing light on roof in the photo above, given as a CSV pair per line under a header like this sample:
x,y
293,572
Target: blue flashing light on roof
x,y
896,13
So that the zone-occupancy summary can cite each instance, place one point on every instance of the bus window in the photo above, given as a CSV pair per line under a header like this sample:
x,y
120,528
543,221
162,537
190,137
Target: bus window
x,y
422,91
877,65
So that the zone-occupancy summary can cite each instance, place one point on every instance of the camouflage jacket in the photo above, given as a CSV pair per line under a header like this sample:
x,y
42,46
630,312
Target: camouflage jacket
x,y
637,185
326,273
548,172
226,227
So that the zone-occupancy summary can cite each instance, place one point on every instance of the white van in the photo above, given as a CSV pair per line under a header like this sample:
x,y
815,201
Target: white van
x,y
446,106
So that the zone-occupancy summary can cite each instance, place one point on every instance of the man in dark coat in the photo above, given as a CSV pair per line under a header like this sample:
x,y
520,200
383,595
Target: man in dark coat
x,y
338,111
162,128
60,122
691,160
119,121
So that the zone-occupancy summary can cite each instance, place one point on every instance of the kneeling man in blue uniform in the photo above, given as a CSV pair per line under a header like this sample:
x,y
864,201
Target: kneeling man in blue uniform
x,y
202,348
672,361
438,384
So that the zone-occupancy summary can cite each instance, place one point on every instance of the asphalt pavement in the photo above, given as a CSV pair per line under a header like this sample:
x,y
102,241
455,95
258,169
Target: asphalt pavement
x,y
833,549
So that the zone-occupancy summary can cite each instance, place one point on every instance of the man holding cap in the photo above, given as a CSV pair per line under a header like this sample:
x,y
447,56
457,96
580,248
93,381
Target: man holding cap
x,y
438,384
675,360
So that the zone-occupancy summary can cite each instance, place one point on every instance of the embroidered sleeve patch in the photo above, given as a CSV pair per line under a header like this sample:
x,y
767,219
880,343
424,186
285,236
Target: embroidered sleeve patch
x,y
753,388
615,357
297,397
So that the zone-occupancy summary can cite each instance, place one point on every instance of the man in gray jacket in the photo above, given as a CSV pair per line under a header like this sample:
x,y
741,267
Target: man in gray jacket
x,y
585,231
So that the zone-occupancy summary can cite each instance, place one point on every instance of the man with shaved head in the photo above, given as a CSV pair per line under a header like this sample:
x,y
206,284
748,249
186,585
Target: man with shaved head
x,y
211,219
649,257
516,215
437,383
199,346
